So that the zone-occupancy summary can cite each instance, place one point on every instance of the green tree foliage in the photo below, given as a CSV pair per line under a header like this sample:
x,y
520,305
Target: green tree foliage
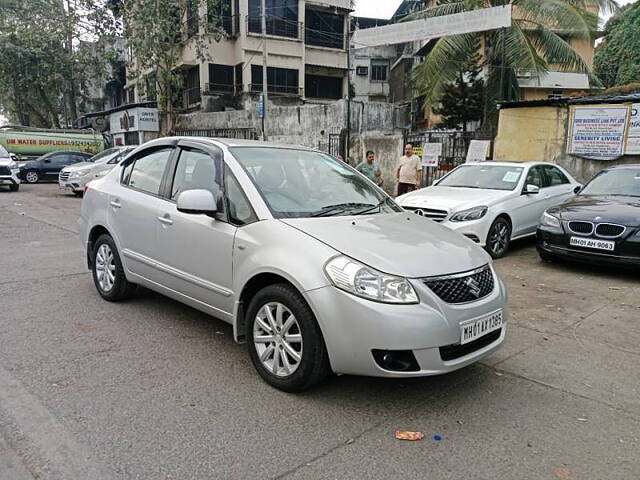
x,y
617,60
462,100
156,34
50,51
536,42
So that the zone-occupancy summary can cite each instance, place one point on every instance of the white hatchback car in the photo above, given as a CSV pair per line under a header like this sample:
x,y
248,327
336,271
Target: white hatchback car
x,y
316,268
493,203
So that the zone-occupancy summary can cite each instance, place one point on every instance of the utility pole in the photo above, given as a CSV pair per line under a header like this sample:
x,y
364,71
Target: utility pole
x,y
265,90
348,139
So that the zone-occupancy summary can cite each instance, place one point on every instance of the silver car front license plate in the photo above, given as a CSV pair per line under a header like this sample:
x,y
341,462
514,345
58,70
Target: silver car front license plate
x,y
478,327
593,243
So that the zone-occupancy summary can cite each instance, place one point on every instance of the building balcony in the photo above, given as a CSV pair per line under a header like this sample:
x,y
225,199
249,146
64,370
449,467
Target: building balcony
x,y
276,27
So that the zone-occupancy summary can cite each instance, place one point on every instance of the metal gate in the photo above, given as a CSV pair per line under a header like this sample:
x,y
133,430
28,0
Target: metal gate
x,y
454,151
239,133
334,145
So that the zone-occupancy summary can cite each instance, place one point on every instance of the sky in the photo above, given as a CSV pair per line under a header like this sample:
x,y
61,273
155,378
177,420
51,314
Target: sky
x,y
386,8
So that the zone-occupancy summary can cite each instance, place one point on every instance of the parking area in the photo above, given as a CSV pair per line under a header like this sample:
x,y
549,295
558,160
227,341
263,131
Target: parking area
x,y
152,389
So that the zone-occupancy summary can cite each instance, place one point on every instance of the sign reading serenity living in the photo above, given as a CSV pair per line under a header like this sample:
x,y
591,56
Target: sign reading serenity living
x,y
479,20
598,132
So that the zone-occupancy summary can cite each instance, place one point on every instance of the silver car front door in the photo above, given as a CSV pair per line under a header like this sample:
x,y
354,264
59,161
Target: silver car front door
x,y
195,251
134,209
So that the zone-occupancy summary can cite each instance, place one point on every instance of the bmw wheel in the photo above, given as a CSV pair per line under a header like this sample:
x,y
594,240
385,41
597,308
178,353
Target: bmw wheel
x,y
285,342
499,238
32,176
108,274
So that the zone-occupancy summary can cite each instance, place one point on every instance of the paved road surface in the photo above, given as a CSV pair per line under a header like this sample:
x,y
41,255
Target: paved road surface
x,y
151,389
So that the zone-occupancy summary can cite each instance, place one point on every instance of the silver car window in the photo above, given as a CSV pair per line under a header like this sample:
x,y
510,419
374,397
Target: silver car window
x,y
147,171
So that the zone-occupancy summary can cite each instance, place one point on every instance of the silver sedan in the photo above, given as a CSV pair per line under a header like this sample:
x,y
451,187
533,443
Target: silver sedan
x,y
316,268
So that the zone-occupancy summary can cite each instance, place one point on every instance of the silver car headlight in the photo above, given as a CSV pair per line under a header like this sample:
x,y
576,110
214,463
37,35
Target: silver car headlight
x,y
551,222
366,282
475,213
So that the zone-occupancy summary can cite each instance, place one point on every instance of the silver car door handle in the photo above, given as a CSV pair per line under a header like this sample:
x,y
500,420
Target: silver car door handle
x,y
115,204
165,220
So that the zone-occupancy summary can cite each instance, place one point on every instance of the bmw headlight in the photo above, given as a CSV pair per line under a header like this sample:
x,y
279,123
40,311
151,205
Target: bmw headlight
x,y
549,221
363,281
475,213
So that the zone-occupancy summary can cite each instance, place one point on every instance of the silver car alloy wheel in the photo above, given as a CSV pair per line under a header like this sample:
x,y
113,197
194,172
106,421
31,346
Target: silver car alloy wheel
x,y
31,177
498,238
277,339
105,268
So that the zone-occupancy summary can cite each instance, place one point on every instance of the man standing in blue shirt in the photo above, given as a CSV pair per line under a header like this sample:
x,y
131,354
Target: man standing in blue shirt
x,y
370,169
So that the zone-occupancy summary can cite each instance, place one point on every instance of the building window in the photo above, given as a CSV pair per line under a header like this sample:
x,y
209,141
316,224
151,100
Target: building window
x,y
324,29
192,18
379,71
150,87
282,18
221,78
130,95
319,86
555,94
220,15
239,69
279,80
191,87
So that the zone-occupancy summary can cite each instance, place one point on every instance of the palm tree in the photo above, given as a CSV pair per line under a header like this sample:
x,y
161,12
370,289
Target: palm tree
x,y
537,41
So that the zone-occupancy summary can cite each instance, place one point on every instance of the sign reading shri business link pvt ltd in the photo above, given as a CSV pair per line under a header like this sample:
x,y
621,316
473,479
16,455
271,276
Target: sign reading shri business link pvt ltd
x,y
599,132
479,20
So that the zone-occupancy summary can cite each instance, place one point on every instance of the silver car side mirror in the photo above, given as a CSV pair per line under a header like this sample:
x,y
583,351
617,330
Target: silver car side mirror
x,y
197,202
531,190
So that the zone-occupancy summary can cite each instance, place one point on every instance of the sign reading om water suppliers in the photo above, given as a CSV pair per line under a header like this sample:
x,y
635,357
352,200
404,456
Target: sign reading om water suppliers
x,y
599,132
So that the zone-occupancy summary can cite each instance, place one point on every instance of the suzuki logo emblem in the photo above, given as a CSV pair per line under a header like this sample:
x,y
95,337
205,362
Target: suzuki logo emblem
x,y
419,212
474,286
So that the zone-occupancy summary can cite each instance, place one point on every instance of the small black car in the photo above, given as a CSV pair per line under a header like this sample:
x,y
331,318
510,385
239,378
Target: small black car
x,y
599,225
48,166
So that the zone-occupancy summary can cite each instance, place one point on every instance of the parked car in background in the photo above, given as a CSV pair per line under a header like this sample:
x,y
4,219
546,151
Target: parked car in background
x,y
493,203
599,225
8,170
75,177
315,276
48,166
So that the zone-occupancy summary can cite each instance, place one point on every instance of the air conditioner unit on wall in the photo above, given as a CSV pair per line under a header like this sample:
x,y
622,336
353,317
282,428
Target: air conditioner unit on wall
x,y
362,71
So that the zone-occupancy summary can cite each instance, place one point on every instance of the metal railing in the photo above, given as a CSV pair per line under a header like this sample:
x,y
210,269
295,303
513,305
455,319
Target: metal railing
x,y
239,133
276,26
230,24
278,90
320,38
221,88
454,151
191,97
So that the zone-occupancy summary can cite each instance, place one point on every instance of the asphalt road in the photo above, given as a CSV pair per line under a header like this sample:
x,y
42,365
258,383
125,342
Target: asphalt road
x,y
151,389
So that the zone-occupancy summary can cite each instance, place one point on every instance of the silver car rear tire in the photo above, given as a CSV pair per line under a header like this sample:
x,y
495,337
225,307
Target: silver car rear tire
x,y
285,342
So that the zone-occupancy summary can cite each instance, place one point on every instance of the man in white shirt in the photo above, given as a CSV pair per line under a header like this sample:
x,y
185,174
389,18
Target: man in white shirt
x,y
409,172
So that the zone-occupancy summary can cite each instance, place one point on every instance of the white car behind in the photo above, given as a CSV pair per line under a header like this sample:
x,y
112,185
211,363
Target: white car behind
x,y
9,170
493,203
76,176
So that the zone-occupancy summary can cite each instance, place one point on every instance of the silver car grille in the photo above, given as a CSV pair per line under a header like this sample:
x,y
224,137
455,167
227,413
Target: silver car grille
x,y
463,287
64,176
433,214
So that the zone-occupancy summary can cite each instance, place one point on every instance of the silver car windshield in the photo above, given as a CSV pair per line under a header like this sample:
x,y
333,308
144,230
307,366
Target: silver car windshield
x,y
486,177
299,183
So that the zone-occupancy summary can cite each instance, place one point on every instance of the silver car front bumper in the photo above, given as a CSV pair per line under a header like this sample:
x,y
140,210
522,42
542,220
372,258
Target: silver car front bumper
x,y
354,327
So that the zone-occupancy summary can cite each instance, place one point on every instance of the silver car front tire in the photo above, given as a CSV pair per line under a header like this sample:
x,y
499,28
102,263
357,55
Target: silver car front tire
x,y
284,340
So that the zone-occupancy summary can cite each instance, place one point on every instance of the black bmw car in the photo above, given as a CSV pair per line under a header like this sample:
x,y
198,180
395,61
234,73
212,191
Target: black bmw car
x,y
47,167
599,225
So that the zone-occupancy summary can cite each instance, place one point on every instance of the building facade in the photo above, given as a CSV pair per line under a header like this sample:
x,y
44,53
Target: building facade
x,y
306,53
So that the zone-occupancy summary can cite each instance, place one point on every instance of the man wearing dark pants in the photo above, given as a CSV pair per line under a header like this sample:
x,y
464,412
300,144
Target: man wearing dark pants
x,y
409,172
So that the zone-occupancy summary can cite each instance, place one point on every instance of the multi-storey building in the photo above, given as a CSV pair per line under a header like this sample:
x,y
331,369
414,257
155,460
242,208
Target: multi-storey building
x,y
306,52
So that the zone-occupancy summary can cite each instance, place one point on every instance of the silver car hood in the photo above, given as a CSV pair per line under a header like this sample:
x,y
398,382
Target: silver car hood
x,y
398,243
